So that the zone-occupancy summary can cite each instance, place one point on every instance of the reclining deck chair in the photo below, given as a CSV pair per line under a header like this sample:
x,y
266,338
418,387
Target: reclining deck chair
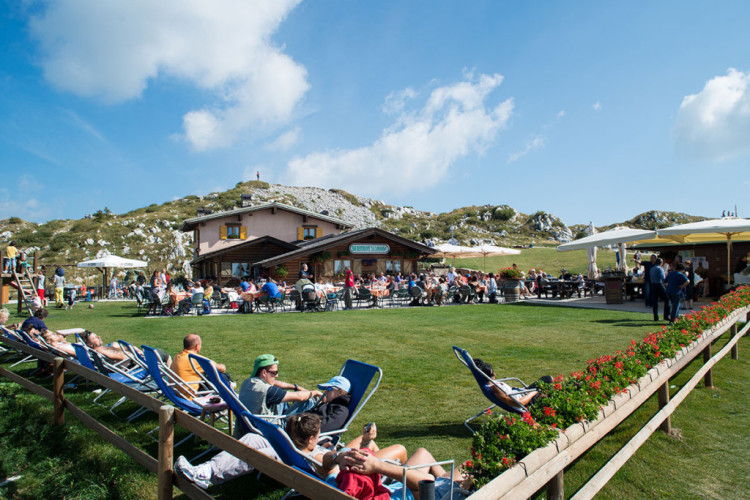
x,y
159,370
485,383
216,380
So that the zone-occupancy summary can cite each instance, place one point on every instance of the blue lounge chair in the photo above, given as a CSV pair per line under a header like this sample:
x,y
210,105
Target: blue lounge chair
x,y
485,383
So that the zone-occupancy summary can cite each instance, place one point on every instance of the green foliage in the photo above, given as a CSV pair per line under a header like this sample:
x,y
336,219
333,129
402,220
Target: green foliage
x,y
509,273
503,213
15,220
427,234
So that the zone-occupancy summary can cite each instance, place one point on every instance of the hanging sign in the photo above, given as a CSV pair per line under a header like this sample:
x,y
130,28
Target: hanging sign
x,y
376,248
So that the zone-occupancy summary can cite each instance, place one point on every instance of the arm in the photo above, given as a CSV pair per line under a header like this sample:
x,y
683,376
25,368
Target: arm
x,y
301,395
502,396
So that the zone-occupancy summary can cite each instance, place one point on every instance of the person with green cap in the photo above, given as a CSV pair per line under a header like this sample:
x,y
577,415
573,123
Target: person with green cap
x,y
264,394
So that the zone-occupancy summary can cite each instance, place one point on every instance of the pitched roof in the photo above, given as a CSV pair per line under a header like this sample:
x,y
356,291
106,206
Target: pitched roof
x,y
189,224
313,246
244,244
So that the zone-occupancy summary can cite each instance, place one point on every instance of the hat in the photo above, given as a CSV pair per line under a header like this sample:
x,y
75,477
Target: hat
x,y
262,361
338,383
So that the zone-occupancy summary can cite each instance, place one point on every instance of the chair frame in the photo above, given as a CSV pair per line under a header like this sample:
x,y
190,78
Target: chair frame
x,y
482,380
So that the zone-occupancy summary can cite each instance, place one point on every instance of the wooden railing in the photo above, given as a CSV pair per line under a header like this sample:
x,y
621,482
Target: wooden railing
x,y
168,418
545,466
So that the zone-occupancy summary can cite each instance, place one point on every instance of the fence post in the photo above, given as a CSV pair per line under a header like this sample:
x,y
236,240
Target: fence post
x,y
709,378
58,378
663,395
166,447
735,349
556,487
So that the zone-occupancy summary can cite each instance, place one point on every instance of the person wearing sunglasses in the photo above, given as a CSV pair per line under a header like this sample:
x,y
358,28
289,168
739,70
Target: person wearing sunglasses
x,y
333,407
264,394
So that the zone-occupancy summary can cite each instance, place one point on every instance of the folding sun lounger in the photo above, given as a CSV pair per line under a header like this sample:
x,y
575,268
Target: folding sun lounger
x,y
485,383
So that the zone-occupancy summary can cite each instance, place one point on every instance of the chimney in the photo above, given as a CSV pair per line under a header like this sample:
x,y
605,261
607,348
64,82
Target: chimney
x,y
246,200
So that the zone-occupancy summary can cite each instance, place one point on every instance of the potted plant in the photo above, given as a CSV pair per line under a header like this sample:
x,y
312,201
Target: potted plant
x,y
281,271
511,279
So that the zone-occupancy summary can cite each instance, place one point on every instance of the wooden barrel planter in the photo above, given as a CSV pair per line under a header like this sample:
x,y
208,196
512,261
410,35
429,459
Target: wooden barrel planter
x,y
512,290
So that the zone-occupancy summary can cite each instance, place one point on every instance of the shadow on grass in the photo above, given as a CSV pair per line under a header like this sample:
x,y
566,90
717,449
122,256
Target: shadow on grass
x,y
628,323
452,429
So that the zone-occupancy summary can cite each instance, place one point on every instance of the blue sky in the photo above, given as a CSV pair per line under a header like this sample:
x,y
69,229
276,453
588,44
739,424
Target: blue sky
x,y
592,111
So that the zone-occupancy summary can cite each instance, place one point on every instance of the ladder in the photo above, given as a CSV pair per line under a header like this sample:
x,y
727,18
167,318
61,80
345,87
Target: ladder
x,y
26,288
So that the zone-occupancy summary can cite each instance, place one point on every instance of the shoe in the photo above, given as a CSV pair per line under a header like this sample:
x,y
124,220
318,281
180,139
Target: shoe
x,y
194,474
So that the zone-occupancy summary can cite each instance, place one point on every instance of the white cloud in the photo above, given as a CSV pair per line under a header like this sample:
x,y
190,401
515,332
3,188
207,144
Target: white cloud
x,y
597,106
715,123
561,113
396,101
13,204
417,151
112,50
532,144
285,140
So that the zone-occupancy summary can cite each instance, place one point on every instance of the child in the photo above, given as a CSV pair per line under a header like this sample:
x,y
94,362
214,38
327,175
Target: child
x,y
71,298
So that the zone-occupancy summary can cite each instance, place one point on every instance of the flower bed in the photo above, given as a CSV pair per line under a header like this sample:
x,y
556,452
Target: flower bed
x,y
504,440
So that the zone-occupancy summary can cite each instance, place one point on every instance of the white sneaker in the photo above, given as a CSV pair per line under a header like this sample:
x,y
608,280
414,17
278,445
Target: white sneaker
x,y
199,475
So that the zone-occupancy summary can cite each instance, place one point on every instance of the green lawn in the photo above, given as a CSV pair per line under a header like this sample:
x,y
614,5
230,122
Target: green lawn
x,y
425,394
546,258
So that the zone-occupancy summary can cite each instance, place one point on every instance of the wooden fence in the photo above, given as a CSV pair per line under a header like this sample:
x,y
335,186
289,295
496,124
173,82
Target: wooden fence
x,y
545,467
168,418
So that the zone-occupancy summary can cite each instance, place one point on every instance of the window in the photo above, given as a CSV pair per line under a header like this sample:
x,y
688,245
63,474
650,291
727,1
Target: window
x,y
340,265
233,232
308,233
393,266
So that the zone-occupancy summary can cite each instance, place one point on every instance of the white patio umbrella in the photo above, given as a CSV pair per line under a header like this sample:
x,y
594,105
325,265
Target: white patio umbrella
x,y
494,251
111,261
591,254
613,237
725,229
446,250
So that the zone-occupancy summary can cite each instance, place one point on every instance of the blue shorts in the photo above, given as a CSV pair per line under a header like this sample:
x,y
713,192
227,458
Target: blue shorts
x,y
442,488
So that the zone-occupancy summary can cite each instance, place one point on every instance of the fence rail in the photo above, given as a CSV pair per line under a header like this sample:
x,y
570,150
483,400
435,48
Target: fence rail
x,y
168,418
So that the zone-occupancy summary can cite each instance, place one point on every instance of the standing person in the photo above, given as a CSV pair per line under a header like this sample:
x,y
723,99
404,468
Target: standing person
x,y
348,288
257,175
40,279
658,292
59,289
647,265
10,257
690,288
492,289
157,287
141,278
676,282
113,287
303,274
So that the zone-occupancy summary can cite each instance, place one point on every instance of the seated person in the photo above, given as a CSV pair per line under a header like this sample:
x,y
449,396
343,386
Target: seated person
x,y
113,352
271,289
511,396
37,320
4,316
264,394
192,343
333,407
361,456
194,289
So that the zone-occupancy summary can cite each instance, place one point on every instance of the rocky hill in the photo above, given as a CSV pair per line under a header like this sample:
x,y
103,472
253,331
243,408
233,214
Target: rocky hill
x,y
153,233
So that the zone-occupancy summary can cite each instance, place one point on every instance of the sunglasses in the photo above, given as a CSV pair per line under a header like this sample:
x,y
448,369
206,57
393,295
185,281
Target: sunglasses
x,y
273,373
330,389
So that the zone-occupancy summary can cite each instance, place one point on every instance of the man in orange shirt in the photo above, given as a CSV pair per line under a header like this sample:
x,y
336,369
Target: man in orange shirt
x,y
182,367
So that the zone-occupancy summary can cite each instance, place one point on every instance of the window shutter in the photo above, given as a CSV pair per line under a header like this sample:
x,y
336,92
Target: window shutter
x,y
300,233
223,232
243,232
357,266
318,232
328,268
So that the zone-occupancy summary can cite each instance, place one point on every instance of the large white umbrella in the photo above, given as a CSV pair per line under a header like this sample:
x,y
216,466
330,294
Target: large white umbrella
x,y
493,250
613,237
113,261
725,229
591,254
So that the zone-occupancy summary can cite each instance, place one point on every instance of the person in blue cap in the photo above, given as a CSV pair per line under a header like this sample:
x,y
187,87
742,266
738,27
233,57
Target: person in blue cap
x,y
333,407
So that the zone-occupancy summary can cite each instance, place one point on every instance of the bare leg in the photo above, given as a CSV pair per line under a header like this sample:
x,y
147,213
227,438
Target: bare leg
x,y
422,456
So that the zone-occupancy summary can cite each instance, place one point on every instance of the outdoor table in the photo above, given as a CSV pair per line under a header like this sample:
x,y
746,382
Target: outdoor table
x,y
212,409
634,289
251,297
176,297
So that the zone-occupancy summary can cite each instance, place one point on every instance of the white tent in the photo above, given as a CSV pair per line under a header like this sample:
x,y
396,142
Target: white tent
x,y
715,230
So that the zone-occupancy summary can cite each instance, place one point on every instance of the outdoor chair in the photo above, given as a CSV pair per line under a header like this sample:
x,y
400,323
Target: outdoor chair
x,y
417,294
25,338
402,297
364,296
217,302
294,299
167,381
468,296
218,382
485,383
196,301
453,294
332,301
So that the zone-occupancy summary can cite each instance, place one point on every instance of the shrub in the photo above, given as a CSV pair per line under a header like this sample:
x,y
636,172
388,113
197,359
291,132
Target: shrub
x,y
503,213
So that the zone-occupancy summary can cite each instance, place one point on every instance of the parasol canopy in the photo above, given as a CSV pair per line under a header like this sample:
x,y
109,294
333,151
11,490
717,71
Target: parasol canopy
x,y
493,251
725,229
113,261
613,237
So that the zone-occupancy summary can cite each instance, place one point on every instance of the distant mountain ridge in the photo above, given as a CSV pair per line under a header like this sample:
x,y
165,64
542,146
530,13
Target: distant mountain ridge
x,y
153,233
